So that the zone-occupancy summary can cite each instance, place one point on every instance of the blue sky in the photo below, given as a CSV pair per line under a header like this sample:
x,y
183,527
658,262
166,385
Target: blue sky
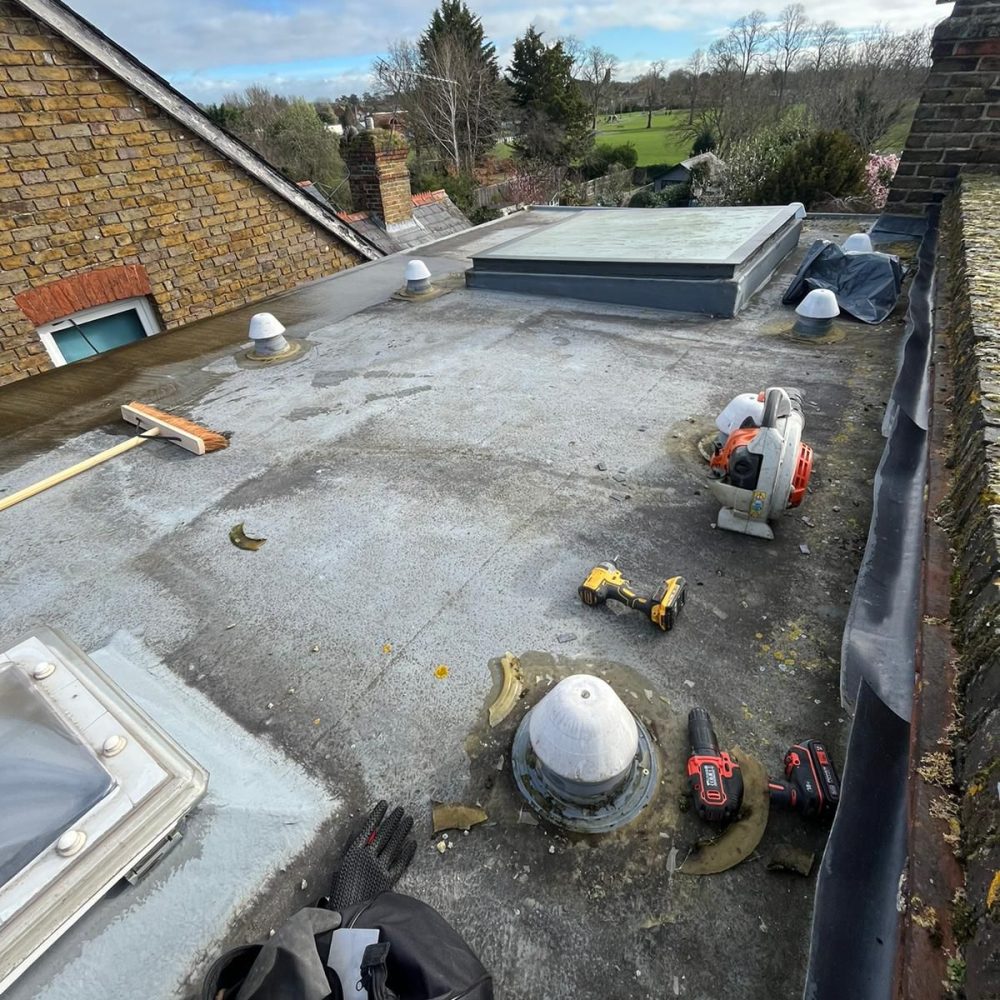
x,y
322,48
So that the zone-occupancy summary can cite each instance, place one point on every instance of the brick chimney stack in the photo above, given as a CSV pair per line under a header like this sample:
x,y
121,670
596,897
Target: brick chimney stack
x,y
379,178
956,128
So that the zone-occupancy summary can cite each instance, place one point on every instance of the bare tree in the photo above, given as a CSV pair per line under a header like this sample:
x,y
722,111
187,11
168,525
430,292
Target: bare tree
x,y
746,39
823,39
452,100
788,38
577,51
649,87
695,68
597,70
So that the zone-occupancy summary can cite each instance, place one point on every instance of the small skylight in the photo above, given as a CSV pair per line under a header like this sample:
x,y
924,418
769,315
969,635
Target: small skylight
x,y
91,790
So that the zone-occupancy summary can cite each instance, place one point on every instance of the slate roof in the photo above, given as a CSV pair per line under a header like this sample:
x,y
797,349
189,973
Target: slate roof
x,y
435,215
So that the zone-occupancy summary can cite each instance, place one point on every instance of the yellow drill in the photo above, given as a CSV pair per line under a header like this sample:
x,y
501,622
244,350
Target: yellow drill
x,y
605,581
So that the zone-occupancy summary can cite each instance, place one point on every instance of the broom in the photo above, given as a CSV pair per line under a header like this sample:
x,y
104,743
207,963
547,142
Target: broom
x,y
154,424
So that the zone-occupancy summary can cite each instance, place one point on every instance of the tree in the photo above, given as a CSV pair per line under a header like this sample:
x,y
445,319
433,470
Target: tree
x,y
823,39
552,120
788,38
695,68
746,39
597,69
289,134
450,86
650,88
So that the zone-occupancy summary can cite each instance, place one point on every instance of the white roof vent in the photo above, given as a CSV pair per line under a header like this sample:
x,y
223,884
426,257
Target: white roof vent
x,y
582,731
418,277
269,343
815,313
857,243
582,760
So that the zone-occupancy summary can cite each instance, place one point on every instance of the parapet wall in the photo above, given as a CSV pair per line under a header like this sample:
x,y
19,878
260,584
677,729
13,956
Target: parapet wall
x,y
971,243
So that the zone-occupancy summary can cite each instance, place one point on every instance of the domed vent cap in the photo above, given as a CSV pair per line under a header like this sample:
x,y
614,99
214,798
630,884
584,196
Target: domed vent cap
x,y
582,731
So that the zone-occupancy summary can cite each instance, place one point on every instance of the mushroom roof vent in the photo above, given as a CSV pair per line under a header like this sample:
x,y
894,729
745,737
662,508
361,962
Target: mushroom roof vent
x,y
582,731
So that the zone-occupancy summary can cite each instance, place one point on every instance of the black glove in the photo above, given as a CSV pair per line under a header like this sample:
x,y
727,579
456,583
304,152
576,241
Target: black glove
x,y
375,859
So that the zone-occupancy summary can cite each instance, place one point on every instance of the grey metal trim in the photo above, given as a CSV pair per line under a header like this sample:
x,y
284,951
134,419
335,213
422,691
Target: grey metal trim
x,y
716,298
129,70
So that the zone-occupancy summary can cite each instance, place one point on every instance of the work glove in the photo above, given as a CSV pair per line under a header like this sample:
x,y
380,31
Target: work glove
x,y
375,859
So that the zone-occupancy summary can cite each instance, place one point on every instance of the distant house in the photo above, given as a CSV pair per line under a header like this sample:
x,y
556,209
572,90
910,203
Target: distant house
x,y
125,210
394,121
681,174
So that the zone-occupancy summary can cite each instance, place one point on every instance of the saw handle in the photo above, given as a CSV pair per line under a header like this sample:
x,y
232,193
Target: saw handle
x,y
74,470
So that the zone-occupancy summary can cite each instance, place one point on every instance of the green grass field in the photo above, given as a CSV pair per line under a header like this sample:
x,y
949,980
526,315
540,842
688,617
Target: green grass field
x,y
666,142
663,143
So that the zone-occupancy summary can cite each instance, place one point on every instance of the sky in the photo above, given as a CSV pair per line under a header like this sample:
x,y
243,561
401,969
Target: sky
x,y
324,48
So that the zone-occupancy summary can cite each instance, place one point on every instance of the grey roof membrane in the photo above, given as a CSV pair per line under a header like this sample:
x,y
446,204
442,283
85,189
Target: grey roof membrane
x,y
434,480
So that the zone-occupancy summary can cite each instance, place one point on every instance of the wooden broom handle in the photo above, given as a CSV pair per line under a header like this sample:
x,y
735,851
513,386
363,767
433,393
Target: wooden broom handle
x,y
73,470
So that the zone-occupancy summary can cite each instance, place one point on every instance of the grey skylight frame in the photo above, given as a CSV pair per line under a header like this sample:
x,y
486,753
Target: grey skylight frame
x,y
156,785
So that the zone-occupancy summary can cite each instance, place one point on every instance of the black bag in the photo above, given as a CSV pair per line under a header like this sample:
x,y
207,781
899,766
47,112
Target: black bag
x,y
426,959
867,285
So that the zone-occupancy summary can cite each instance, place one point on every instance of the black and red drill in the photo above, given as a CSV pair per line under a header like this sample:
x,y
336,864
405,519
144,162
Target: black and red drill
x,y
714,777
810,787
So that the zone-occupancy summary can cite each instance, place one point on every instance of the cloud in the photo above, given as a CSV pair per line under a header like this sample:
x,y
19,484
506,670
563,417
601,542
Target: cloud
x,y
208,46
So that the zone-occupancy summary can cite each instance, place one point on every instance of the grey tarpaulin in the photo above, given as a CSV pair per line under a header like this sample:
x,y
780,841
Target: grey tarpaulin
x,y
866,284
852,949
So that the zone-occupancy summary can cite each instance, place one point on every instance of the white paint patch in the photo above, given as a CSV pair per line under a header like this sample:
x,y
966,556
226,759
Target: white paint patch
x,y
260,811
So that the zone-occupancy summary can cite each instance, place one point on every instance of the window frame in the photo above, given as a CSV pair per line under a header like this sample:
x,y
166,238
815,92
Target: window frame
x,y
138,304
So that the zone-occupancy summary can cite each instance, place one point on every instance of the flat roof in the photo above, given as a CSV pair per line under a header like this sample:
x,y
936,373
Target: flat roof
x,y
434,480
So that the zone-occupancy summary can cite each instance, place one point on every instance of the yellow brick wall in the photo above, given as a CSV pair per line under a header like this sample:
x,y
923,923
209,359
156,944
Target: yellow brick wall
x,y
94,175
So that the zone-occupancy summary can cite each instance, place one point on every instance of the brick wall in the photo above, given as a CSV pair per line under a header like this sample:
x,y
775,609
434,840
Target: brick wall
x,y
956,128
95,176
971,247
379,177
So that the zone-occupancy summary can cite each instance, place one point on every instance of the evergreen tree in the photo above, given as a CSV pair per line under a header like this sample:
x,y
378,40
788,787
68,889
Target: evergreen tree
x,y
552,120
453,20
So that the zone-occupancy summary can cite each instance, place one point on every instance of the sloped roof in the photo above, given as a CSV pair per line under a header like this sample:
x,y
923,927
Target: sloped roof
x,y
434,215
90,40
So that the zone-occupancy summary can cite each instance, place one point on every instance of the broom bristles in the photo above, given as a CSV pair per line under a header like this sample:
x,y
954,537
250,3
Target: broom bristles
x,y
212,440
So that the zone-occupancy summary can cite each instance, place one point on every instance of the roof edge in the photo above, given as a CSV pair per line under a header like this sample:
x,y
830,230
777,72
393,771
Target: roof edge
x,y
122,64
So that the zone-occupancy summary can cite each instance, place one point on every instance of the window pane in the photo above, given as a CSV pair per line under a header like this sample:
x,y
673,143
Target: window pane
x,y
48,779
99,335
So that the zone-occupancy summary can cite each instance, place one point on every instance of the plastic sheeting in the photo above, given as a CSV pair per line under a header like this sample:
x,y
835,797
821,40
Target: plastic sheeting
x,y
866,284
880,634
48,780
852,948
854,938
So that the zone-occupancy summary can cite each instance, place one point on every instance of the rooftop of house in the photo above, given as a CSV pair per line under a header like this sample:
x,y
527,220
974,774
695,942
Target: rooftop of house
x,y
435,216
434,479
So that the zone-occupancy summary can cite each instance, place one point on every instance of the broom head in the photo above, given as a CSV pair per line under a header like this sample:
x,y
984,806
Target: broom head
x,y
189,435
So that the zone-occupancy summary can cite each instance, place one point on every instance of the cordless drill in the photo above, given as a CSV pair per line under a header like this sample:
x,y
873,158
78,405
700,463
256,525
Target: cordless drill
x,y
605,581
811,786
715,778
